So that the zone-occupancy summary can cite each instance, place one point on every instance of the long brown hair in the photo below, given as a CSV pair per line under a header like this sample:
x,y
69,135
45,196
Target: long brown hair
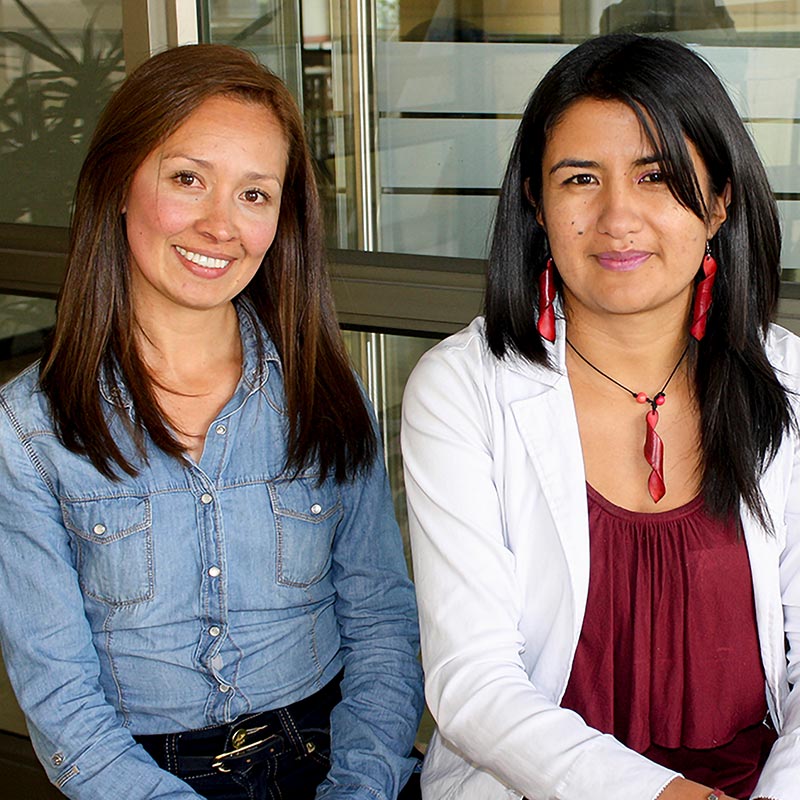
x,y
329,427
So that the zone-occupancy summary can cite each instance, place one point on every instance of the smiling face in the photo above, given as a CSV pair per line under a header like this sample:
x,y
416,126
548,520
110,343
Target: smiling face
x,y
621,242
202,209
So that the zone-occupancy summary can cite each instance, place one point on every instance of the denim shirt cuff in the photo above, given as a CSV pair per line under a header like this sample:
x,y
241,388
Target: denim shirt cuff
x,y
350,792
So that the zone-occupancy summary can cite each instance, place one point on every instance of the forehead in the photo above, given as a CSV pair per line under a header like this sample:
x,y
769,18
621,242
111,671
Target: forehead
x,y
589,122
228,123
612,130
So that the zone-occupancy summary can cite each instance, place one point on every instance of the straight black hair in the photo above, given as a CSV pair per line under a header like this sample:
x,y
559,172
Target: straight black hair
x,y
745,411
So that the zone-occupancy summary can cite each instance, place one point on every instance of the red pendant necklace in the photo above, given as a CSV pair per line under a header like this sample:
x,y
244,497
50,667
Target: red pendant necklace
x,y
653,446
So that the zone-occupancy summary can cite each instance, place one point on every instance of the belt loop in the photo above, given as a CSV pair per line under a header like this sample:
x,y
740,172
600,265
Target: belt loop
x,y
291,731
171,751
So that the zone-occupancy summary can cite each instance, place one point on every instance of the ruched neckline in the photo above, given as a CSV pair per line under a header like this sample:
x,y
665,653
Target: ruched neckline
x,y
668,659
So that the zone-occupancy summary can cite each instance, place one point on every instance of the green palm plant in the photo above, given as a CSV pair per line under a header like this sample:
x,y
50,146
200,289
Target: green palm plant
x,y
47,116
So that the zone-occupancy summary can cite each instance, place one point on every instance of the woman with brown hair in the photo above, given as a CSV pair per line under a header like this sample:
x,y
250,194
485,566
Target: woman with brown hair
x,y
202,585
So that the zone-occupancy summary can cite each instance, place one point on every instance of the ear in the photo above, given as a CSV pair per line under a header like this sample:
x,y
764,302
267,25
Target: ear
x,y
718,210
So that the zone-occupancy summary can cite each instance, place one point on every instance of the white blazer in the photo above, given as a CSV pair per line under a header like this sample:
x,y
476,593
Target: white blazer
x,y
499,529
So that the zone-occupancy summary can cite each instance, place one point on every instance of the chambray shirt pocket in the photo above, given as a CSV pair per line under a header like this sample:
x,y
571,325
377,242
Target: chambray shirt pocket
x,y
306,517
113,539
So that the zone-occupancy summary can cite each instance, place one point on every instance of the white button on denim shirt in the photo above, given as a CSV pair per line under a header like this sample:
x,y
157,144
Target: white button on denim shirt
x,y
195,593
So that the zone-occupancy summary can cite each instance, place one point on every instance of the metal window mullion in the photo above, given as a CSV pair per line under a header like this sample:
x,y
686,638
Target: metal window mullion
x,y
363,77
149,26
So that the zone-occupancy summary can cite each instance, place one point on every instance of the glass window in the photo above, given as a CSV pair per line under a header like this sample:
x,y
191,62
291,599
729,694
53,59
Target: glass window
x,y
59,64
384,362
24,322
451,89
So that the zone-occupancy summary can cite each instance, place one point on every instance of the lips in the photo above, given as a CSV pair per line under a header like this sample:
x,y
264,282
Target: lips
x,y
622,260
207,262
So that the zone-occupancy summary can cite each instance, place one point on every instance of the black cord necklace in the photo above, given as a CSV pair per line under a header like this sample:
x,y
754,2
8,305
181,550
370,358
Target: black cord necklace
x,y
653,446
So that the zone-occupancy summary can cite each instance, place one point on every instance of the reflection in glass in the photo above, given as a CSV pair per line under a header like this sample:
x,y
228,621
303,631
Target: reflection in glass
x,y
454,75
294,40
384,362
554,21
60,63
645,16
268,28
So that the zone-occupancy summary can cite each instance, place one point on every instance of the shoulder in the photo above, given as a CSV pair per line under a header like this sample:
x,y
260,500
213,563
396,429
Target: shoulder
x,y
783,350
23,403
465,361
462,356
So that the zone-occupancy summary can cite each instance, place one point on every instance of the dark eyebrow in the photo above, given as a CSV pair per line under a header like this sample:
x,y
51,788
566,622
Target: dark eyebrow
x,y
652,158
573,162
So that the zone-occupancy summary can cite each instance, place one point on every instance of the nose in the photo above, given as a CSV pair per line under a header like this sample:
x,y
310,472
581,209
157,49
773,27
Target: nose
x,y
619,213
217,219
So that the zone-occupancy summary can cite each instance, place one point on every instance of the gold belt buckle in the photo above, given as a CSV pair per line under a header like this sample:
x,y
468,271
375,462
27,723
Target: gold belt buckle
x,y
240,749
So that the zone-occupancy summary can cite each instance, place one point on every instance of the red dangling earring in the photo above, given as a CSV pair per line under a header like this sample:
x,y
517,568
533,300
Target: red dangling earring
x,y
546,324
702,296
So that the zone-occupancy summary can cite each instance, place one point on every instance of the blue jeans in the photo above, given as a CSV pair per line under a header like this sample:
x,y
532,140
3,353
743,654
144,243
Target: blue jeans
x,y
275,754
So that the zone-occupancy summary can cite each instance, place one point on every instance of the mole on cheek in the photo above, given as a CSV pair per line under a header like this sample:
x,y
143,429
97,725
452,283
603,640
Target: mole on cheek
x,y
580,233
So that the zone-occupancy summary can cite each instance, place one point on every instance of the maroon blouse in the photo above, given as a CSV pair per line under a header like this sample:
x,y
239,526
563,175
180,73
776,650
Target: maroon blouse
x,y
668,659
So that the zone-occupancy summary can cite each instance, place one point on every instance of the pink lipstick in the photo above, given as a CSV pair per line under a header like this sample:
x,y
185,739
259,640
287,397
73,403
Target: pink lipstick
x,y
622,260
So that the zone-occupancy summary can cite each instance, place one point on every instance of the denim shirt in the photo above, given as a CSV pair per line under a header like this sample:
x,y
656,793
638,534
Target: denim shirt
x,y
192,593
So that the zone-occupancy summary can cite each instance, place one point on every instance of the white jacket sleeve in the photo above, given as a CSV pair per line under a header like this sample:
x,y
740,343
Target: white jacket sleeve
x,y
471,603
780,778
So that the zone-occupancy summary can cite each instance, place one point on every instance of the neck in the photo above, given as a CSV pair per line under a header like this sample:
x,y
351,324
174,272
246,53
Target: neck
x,y
189,343
634,349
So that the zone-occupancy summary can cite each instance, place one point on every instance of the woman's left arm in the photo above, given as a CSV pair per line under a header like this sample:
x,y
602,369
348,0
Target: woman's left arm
x,y
780,779
374,726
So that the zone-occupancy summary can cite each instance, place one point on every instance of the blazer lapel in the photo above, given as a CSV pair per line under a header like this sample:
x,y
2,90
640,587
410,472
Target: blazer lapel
x,y
549,430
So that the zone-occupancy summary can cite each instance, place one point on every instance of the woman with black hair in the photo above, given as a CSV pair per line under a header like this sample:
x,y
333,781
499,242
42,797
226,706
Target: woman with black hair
x,y
603,474
202,585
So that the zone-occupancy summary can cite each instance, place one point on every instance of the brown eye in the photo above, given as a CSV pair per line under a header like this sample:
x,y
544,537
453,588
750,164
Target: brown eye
x,y
254,196
186,178
580,180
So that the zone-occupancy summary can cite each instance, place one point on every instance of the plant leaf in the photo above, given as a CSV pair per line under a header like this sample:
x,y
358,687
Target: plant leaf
x,y
39,49
43,29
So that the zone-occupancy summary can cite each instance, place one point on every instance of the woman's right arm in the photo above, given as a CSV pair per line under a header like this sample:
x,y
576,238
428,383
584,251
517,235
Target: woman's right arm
x,y
471,603
47,644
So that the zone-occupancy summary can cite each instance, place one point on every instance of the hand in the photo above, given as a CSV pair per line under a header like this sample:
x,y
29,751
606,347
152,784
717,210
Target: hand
x,y
681,789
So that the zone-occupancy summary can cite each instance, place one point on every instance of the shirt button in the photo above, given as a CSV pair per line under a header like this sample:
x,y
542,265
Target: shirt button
x,y
223,687
221,430
99,529
316,508
214,572
206,498
57,759
214,630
